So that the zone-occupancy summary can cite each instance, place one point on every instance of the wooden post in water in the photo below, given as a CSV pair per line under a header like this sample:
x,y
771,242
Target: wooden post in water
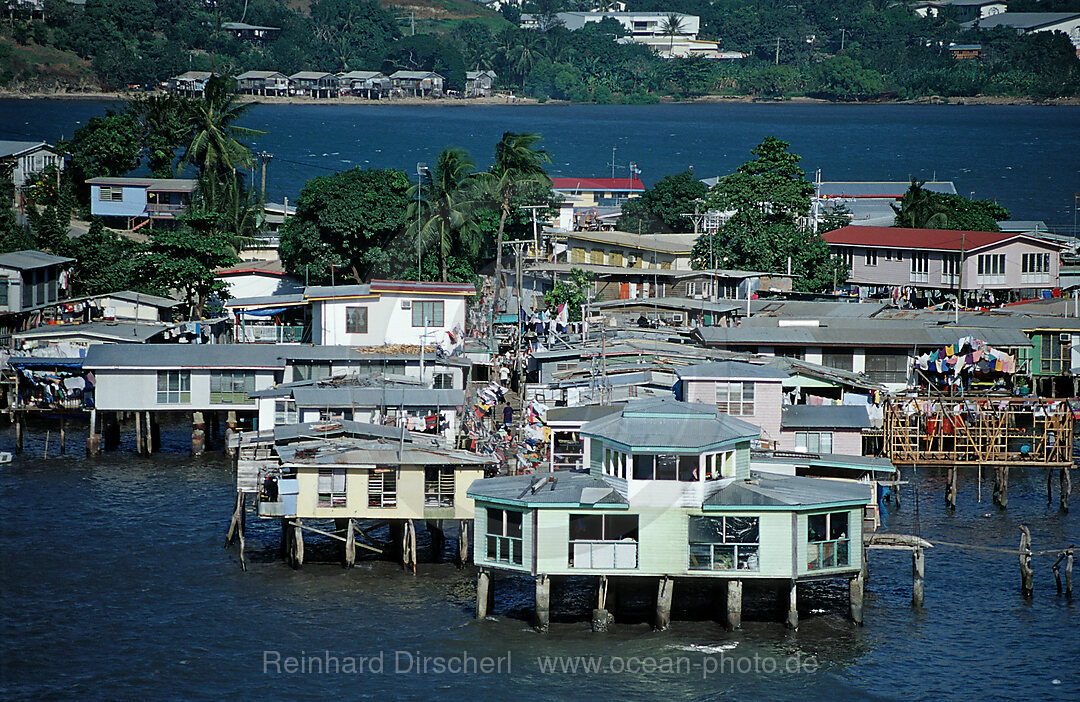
x,y
234,523
463,543
1004,499
1049,486
63,434
485,594
601,618
19,429
350,543
1027,582
950,487
662,619
230,429
153,431
543,603
93,440
997,485
408,546
242,528
140,440
918,571
1068,572
734,604
792,621
296,545
1065,487
855,598
198,434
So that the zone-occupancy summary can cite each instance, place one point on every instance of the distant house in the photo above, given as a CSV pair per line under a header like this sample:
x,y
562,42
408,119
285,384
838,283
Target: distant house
x,y
479,83
965,52
981,263
369,84
189,84
1068,23
823,429
250,32
592,192
748,391
258,279
24,159
963,10
263,83
662,251
30,280
316,84
637,24
418,83
140,200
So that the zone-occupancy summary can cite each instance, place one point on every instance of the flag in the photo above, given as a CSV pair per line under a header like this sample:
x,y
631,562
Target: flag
x,y
563,317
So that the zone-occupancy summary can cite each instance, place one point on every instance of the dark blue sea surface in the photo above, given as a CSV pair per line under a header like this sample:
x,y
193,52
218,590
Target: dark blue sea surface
x,y
114,586
1025,157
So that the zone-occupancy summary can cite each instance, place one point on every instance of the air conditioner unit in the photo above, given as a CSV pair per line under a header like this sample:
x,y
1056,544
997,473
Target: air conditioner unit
x,y
406,304
632,259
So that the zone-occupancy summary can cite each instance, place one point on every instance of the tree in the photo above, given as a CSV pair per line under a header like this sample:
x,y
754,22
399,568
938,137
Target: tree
x,y
518,164
924,209
447,217
662,208
13,236
165,128
186,260
347,224
107,262
671,27
770,200
574,292
215,146
106,146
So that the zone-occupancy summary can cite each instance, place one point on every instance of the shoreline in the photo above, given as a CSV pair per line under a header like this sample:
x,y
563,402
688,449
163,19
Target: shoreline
x,y
503,100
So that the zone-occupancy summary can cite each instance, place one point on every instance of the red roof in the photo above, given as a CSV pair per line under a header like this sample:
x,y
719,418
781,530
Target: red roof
x,y
580,184
412,286
931,239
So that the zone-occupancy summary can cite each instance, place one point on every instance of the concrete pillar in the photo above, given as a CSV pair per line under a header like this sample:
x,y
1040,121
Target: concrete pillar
x,y
230,429
297,543
918,569
198,434
140,440
734,604
543,603
601,618
855,598
485,594
153,430
792,621
93,439
663,603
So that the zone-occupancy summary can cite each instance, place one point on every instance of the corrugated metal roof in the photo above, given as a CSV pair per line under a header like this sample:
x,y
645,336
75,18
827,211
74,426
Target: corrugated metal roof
x,y
540,489
871,464
321,430
670,424
111,331
294,300
380,452
769,490
880,189
574,185
183,356
29,260
671,303
664,243
257,75
1021,20
580,414
172,184
17,148
360,397
869,333
824,417
924,239
733,370
334,291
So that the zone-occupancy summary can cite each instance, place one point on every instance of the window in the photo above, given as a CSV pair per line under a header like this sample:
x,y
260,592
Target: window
x,y
438,486
724,543
382,487
232,387
356,320
504,542
666,467
1055,355
427,313
735,398
173,387
331,487
111,193
887,367
615,463
1035,268
991,268
4,283
828,540
813,441
443,381
603,541
842,359
720,465
950,268
311,370
847,256
871,257
28,289
920,267
285,412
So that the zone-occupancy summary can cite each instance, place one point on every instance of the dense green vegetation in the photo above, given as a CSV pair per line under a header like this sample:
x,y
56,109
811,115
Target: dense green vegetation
x,y
923,209
833,49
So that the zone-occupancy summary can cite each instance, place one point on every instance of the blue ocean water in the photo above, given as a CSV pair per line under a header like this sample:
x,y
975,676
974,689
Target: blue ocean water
x,y
1025,157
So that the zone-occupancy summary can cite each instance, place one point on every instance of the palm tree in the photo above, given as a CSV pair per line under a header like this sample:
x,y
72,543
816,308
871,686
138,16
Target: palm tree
x,y
447,215
920,209
518,163
671,27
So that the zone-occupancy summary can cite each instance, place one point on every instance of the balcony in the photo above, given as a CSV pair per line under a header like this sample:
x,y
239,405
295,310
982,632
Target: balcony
x,y
1035,279
272,334
603,555
164,210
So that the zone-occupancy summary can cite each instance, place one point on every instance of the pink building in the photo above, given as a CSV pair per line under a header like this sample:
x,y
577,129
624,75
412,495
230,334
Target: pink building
x,y
941,259
749,391
823,429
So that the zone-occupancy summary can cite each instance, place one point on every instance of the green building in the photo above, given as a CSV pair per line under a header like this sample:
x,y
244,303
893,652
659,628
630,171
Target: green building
x,y
668,493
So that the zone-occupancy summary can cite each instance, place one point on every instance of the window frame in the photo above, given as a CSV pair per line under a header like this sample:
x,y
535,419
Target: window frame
x,y
439,486
182,391
331,488
503,545
379,494
741,404
752,549
831,552
418,313
362,311
611,534
812,441
236,378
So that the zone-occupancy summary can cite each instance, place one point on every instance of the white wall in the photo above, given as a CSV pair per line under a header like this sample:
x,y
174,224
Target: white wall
x,y
388,322
136,389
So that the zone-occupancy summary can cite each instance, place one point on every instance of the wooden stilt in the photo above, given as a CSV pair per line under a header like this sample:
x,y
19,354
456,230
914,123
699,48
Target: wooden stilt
x,y
408,546
297,543
63,434
918,571
664,589
865,563
286,534
1065,487
793,608
140,440
463,542
350,543
93,440
1027,575
543,603
734,604
438,538
1068,572
601,618
855,598
230,429
242,529
198,434
20,428
153,431
950,488
1004,500
485,594
234,523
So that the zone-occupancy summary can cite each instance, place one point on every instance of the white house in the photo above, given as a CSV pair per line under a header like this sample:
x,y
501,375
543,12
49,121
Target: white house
x,y
388,312
1068,23
26,158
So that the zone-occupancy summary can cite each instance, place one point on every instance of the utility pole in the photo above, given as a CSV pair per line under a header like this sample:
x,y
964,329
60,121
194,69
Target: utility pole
x,y
960,277
421,168
777,51
843,32
519,245
536,237
264,156
613,163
